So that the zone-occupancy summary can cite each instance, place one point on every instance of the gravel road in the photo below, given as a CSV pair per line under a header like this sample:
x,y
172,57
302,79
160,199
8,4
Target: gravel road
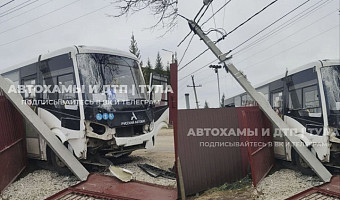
x,y
39,184
280,185
285,183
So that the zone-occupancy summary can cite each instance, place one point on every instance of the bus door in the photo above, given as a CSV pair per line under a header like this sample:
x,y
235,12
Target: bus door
x,y
276,99
29,80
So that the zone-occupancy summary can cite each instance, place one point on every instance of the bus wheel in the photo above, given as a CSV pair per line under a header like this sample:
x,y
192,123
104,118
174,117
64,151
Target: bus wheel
x,y
302,165
57,164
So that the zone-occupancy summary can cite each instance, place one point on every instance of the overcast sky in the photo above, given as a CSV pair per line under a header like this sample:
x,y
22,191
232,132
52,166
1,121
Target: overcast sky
x,y
95,29
304,41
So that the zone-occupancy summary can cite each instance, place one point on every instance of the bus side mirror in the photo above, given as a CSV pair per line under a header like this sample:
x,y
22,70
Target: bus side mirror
x,y
158,84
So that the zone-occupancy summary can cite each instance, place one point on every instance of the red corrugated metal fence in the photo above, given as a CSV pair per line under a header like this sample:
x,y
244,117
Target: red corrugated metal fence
x,y
12,143
260,148
210,160
205,167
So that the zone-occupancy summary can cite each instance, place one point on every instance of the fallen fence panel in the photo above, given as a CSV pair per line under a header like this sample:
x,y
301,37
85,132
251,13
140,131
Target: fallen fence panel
x,y
328,191
12,143
105,187
260,148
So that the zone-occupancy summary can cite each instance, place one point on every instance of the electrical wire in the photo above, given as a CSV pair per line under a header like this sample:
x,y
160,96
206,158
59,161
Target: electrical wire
x,y
23,5
246,21
53,27
224,36
6,3
268,47
300,14
216,12
26,11
186,49
44,15
198,69
285,25
225,1
199,55
196,22
285,15
290,48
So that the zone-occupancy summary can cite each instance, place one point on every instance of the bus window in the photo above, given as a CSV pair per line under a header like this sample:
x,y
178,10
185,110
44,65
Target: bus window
x,y
55,70
277,102
244,100
295,99
29,90
51,81
13,76
311,101
67,81
237,101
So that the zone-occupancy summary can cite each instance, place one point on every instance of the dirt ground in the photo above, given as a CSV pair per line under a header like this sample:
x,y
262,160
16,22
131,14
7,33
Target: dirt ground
x,y
239,194
163,155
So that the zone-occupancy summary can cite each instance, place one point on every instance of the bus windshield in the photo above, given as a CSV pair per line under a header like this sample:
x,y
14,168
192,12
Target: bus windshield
x,y
111,77
331,83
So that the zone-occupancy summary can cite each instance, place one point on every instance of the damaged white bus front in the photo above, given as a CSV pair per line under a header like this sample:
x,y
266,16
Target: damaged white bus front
x,y
330,75
105,111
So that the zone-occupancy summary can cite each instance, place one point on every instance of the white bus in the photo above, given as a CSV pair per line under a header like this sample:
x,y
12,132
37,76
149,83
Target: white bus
x,y
308,99
90,127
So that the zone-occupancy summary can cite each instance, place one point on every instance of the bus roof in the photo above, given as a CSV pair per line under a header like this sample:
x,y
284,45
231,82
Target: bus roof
x,y
325,62
74,50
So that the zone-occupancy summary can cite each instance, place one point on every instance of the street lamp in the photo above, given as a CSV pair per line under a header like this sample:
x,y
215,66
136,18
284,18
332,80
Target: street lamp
x,y
174,55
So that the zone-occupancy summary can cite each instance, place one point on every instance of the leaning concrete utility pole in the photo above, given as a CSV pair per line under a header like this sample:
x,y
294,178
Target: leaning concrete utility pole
x,y
195,86
60,150
300,148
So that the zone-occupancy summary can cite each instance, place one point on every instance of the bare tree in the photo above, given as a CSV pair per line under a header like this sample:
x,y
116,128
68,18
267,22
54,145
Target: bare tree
x,y
164,10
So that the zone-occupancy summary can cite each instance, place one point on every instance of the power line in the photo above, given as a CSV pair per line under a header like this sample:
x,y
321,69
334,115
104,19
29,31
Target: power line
x,y
250,18
268,47
212,9
271,24
198,69
284,25
199,55
25,12
39,17
23,5
199,12
290,48
216,12
207,6
224,36
225,1
6,3
53,27
213,16
186,49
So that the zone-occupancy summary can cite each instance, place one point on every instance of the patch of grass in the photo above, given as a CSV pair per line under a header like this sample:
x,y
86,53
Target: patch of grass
x,y
246,181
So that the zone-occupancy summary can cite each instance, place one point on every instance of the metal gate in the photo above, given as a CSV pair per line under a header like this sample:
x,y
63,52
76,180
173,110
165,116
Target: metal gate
x,y
260,148
12,143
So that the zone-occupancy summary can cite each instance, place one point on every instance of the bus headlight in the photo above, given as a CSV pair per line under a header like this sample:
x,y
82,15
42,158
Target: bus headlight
x,y
146,127
152,126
